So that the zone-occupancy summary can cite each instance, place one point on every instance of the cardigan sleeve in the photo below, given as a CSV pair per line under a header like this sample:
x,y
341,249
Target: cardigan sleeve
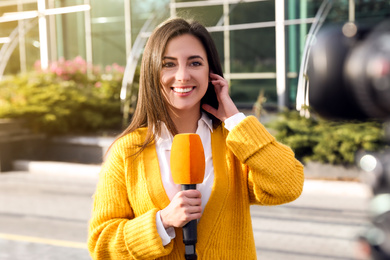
x,y
114,231
274,175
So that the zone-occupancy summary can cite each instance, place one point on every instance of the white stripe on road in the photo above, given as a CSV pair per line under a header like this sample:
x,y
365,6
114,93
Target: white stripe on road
x,y
338,188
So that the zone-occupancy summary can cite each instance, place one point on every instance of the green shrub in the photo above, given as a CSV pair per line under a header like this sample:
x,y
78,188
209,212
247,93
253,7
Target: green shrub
x,y
327,141
70,97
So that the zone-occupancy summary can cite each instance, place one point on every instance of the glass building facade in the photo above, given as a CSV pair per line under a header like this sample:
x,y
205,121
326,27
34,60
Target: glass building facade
x,y
260,42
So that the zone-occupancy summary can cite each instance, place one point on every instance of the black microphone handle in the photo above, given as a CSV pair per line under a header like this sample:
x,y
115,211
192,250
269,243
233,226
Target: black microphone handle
x,y
190,233
188,187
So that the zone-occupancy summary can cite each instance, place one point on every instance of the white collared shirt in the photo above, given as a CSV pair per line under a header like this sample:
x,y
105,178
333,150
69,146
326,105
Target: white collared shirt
x,y
163,147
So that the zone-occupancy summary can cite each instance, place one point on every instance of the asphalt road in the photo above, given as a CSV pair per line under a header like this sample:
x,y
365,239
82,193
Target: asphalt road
x,y
45,216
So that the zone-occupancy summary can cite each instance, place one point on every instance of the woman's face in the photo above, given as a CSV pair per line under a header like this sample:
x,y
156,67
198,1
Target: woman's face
x,y
185,73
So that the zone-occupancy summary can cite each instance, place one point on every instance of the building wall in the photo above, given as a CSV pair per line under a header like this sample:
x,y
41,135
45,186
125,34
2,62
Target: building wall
x,y
248,55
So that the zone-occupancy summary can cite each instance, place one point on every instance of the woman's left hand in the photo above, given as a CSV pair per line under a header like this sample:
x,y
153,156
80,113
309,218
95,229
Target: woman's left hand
x,y
226,106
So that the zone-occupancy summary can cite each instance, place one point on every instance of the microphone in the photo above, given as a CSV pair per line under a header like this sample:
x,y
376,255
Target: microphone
x,y
187,168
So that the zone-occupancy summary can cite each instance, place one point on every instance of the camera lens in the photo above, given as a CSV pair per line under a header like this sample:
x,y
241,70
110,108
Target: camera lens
x,y
349,72
367,71
329,94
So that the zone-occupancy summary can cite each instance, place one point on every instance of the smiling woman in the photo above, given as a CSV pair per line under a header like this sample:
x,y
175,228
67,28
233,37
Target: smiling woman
x,y
139,211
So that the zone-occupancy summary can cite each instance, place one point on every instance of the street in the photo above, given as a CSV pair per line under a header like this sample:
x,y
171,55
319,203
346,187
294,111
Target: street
x,y
45,216
322,224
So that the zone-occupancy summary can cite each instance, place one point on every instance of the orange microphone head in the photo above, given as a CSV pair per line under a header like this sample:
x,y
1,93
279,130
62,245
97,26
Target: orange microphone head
x,y
187,159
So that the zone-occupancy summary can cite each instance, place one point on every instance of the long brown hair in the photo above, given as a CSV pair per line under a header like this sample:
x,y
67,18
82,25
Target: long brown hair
x,y
151,105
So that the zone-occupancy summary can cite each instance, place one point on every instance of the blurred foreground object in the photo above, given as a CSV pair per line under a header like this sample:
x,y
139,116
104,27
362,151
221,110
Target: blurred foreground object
x,y
349,72
375,241
345,75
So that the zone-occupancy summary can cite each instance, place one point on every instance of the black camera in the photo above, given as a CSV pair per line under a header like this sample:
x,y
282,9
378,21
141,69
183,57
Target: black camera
x,y
348,71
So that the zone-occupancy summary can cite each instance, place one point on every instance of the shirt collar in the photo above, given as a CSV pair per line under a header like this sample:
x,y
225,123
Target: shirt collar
x,y
165,139
206,120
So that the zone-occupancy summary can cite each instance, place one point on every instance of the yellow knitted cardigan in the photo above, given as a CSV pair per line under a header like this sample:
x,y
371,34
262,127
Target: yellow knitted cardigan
x,y
250,167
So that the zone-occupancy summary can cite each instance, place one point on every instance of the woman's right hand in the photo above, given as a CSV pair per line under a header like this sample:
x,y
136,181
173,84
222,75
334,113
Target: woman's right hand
x,y
184,207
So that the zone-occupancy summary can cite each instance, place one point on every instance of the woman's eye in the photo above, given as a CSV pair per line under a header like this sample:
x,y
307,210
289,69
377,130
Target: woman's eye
x,y
168,64
196,63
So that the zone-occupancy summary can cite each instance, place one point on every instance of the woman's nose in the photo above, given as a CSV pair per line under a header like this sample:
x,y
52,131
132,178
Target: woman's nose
x,y
182,74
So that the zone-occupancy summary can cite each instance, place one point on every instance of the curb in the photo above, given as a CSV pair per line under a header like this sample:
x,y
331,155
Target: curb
x,y
57,168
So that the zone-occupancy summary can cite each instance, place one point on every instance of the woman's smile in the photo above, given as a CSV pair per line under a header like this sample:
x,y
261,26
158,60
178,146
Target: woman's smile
x,y
182,90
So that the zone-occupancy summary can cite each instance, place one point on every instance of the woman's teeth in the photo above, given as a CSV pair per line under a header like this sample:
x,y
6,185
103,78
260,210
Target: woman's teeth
x,y
182,90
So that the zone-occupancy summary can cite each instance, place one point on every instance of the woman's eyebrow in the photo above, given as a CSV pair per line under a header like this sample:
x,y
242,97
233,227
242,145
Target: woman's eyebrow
x,y
190,58
169,58
195,57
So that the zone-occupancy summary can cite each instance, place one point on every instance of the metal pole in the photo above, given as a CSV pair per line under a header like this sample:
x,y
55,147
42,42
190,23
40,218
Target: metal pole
x,y
173,8
128,40
351,12
88,37
43,35
292,52
280,54
226,40
52,33
22,42
292,37
303,26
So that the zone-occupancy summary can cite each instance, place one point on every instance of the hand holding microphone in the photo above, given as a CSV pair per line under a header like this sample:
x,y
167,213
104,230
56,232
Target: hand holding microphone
x,y
187,168
184,207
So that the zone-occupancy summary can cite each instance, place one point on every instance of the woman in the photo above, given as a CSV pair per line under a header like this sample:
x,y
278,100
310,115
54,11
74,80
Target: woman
x,y
138,210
